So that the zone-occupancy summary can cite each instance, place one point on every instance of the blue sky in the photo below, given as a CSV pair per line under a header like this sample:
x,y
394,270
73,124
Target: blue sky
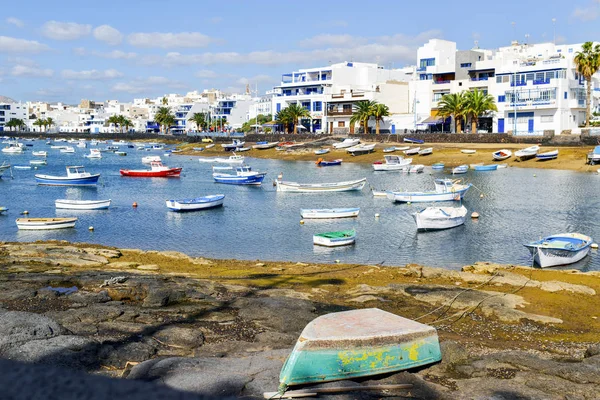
x,y
69,50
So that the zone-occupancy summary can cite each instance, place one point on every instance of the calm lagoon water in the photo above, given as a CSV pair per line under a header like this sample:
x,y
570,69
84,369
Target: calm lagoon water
x,y
260,223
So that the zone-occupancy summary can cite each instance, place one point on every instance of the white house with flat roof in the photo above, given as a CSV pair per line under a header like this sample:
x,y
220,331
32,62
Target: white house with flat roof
x,y
10,111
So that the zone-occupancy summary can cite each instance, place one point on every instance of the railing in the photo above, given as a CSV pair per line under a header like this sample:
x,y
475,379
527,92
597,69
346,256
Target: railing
x,y
358,94
331,113
541,82
441,82
520,83
337,96
485,78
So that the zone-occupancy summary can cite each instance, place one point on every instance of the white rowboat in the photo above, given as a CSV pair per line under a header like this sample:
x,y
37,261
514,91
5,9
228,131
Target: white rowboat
x,y
432,218
330,213
561,249
358,184
45,223
82,204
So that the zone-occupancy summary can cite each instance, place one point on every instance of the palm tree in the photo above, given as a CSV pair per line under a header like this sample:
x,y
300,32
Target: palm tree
x,y
113,119
40,123
49,122
378,112
199,119
284,118
362,113
126,123
478,103
587,62
294,113
165,118
16,123
453,105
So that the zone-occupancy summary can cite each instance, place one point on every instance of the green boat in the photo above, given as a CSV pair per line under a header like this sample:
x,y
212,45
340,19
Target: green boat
x,y
333,239
358,343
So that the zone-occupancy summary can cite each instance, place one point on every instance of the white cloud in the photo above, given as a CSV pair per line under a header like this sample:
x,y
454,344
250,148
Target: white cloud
x,y
145,85
206,74
116,55
339,23
216,20
15,21
91,74
14,45
15,60
332,40
589,13
32,72
169,40
257,79
65,30
108,35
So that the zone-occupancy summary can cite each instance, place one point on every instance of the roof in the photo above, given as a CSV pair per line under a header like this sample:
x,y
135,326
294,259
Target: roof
x,y
433,120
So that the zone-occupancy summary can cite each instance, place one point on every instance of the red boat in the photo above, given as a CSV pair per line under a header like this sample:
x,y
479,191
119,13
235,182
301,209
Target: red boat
x,y
157,170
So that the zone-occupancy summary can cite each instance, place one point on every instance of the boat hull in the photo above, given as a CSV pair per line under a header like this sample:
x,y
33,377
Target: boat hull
x,y
440,218
202,203
330,213
36,224
486,167
239,180
82,204
330,242
358,343
320,188
346,143
49,180
173,172
546,254
424,197
325,163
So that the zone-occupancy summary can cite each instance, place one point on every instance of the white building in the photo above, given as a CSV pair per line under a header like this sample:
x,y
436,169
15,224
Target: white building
x,y
260,106
10,111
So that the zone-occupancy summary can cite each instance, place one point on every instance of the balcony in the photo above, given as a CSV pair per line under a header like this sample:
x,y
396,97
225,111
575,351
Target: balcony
x,y
484,78
339,113
441,82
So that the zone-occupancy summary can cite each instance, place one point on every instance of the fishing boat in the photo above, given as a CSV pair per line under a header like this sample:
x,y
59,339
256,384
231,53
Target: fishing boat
x,y
45,223
243,176
356,344
329,213
38,162
234,159
526,154
13,148
437,166
243,149
209,146
549,155
21,167
94,153
433,218
328,163
560,249
157,170
296,187
416,169
3,168
461,169
120,153
426,152
335,239
264,145
490,167
233,145
468,151
360,149
68,150
198,203
412,140
392,163
501,155
82,204
413,151
151,159
445,190
593,156
76,176
346,143
390,149
321,151
39,153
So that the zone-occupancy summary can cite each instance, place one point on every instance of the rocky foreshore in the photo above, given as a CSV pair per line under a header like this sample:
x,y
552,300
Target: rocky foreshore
x,y
196,327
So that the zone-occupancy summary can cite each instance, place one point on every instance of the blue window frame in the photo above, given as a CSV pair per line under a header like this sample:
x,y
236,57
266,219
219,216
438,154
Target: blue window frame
x,y
427,62
465,65
317,106
278,107
566,95
501,99
306,104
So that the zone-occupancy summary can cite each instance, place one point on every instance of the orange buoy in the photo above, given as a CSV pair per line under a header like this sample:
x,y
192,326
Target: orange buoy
x,y
318,161
134,204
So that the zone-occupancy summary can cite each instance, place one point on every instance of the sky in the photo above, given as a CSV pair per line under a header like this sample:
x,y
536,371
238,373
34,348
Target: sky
x,y
71,50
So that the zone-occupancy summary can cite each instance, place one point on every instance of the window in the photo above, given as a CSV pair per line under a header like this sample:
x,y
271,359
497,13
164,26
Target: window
x,y
341,124
306,104
547,118
317,106
501,99
437,96
465,65
278,106
427,62
347,108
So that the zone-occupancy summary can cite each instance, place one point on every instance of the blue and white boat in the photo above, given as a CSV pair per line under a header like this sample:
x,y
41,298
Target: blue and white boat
x,y
560,249
594,156
76,176
243,176
445,190
549,155
438,166
235,144
321,151
490,167
412,140
461,169
199,203
326,163
329,213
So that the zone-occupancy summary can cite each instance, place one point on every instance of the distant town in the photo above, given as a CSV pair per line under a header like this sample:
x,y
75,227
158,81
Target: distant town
x,y
535,88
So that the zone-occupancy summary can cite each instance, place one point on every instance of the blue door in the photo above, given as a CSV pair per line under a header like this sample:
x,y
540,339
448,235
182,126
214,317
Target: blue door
x,y
530,127
500,125
393,128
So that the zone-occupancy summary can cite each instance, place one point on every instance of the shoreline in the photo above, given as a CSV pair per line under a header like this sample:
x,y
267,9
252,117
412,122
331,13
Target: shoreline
x,y
569,158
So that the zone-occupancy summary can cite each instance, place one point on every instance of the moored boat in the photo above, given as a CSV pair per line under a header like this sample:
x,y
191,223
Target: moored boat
x,y
389,149
501,155
461,169
468,151
593,156
94,153
358,343
296,187
327,163
45,223
560,249
243,176
549,155
527,153
13,148
264,145
392,163
490,167
67,150
433,218
235,144
360,149
38,162
438,166
329,213
426,152
412,140
234,159
39,153
3,168
82,204
416,169
413,151
335,239
198,203
321,151
346,143
157,170
445,190
76,176
150,159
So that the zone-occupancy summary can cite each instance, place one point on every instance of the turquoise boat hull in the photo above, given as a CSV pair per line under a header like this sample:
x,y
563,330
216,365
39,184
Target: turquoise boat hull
x,y
378,351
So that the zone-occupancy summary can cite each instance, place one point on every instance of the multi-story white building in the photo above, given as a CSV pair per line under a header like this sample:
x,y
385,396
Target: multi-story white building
x,y
329,93
10,111
260,106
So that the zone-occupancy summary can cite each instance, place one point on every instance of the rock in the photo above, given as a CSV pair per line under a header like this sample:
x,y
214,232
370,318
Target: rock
x,y
181,337
555,286
12,294
592,350
64,350
365,298
284,315
117,355
160,297
47,294
148,267
122,265
85,297
17,327
453,353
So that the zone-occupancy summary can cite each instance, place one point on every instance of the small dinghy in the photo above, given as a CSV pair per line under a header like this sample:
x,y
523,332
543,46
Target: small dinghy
x,y
22,167
560,249
263,145
437,166
549,155
243,176
490,167
413,151
356,344
45,223
389,149
335,239
82,204
346,143
321,151
468,151
392,163
283,186
445,190
433,218
39,153
329,213
76,176
199,203
426,152
412,140
328,163
501,155
527,153
402,148
150,159
416,169
360,149
461,169
3,209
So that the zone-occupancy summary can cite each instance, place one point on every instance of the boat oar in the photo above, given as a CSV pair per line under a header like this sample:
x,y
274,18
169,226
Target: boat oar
x,y
337,389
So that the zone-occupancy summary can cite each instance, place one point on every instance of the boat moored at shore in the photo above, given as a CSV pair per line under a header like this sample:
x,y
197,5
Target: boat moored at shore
x,y
36,224
296,187
76,176
198,203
